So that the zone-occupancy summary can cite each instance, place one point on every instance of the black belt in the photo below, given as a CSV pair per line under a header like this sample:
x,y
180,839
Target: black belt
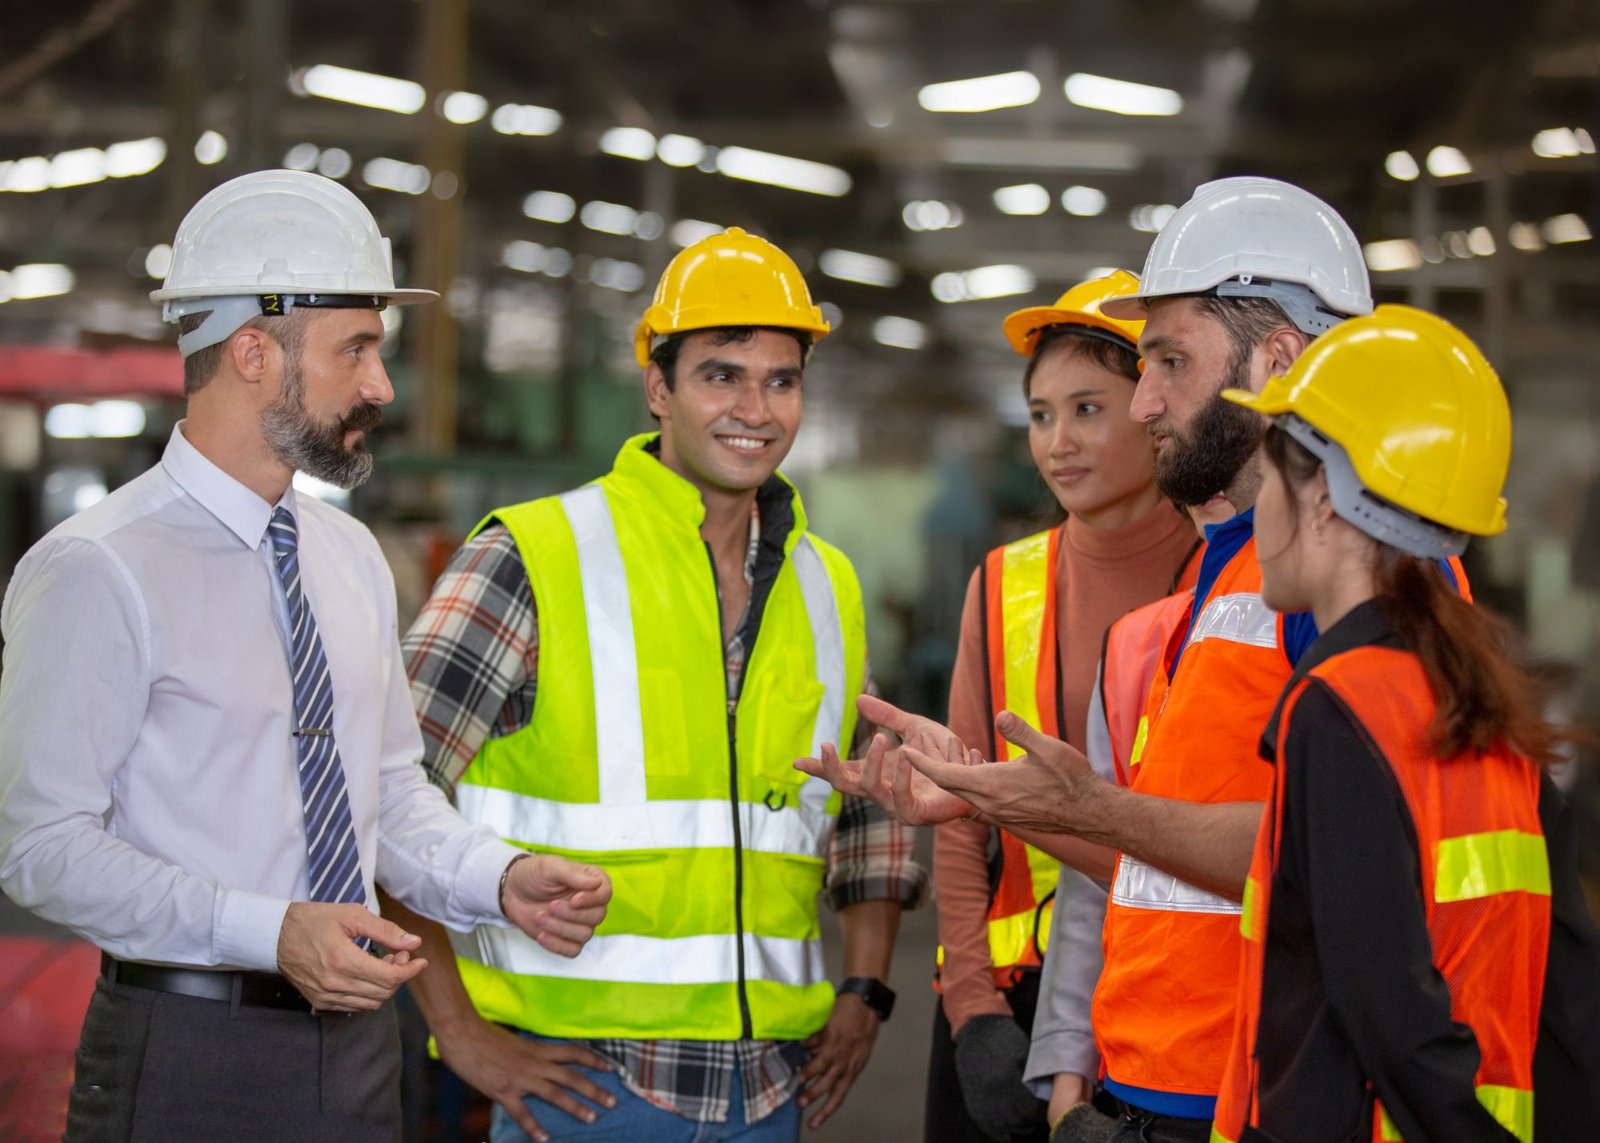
x,y
250,989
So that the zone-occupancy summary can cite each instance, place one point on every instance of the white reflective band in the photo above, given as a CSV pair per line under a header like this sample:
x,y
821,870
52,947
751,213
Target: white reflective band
x,y
619,730
649,960
600,828
827,636
1241,618
1138,886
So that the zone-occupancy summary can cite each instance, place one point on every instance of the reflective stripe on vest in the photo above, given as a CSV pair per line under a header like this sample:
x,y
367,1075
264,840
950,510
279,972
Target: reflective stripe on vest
x,y
1485,879
1020,611
626,763
1511,1108
1140,886
1238,618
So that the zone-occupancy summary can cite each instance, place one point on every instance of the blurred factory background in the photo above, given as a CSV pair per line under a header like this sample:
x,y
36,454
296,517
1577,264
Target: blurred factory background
x,y
931,164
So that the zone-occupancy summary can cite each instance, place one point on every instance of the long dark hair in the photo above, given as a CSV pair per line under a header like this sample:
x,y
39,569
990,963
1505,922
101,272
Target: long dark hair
x,y
1484,699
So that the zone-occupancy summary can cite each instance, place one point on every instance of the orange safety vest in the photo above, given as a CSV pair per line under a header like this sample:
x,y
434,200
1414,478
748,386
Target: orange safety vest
x,y
1132,655
1024,677
1485,889
1163,1010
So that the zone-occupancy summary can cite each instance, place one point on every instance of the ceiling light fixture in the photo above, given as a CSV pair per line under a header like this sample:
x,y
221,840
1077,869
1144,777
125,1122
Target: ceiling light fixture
x,y
1085,202
1392,254
363,88
550,206
1024,199
525,119
1119,96
1447,162
782,171
981,93
867,269
1401,166
900,333
628,143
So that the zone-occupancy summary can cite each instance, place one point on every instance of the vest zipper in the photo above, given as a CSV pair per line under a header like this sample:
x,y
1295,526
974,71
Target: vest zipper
x,y
745,1022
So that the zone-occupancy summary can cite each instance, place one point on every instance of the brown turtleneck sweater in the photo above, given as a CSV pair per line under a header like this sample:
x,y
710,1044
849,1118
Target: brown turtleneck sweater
x,y
1102,574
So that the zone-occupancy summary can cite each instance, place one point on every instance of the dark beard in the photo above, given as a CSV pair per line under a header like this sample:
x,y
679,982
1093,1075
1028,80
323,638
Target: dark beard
x,y
1205,460
317,448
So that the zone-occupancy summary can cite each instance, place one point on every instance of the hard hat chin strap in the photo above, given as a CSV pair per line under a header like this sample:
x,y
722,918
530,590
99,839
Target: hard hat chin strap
x,y
224,315
1385,522
1300,302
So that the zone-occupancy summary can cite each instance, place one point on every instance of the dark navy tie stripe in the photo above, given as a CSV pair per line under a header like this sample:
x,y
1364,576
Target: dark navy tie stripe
x,y
335,868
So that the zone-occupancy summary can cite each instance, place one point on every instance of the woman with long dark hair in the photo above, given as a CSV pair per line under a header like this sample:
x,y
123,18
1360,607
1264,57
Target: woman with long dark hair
x,y
1397,914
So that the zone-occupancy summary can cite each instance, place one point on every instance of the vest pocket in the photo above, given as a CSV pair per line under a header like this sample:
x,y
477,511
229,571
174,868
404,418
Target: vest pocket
x,y
777,719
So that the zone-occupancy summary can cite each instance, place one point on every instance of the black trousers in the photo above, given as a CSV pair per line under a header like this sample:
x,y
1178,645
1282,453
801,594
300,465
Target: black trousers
x,y
944,1116
154,1067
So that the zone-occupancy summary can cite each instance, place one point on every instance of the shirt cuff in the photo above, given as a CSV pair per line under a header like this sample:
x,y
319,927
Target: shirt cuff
x,y
476,891
247,927
1065,1051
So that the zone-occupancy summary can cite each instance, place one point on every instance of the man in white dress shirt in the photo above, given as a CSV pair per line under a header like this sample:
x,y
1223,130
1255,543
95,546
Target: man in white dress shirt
x,y
208,754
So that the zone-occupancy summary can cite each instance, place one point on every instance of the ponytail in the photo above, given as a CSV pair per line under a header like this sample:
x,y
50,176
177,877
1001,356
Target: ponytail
x,y
1484,699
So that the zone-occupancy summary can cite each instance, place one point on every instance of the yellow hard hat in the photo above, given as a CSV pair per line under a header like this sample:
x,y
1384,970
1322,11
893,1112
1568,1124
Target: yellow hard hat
x,y
732,278
1078,306
1415,406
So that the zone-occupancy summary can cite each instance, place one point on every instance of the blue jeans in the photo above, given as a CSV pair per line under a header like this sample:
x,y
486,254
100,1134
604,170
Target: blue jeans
x,y
635,1118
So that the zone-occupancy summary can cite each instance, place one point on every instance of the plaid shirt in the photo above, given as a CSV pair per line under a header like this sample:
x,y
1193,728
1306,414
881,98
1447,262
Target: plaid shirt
x,y
473,657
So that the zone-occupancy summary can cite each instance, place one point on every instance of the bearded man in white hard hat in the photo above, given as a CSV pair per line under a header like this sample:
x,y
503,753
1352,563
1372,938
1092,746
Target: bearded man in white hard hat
x,y
208,758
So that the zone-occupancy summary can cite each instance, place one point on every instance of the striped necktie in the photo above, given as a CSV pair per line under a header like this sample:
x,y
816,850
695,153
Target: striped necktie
x,y
335,867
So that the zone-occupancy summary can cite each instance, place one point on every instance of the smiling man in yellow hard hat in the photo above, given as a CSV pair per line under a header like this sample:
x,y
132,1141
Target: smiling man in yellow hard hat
x,y
626,671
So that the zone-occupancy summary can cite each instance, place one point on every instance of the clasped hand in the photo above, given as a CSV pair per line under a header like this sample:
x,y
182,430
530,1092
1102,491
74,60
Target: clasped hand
x,y
555,901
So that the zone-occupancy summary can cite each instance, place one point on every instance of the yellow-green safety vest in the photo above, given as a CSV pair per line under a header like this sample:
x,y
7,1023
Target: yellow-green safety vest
x,y
632,760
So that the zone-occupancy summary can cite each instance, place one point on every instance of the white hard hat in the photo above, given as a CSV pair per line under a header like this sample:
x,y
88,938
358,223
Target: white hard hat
x,y
1257,238
270,240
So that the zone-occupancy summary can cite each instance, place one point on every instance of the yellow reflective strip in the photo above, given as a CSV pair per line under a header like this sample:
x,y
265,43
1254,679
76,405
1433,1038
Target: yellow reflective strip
x,y
1025,580
1010,939
1511,1107
1217,1136
1139,740
1482,864
1249,925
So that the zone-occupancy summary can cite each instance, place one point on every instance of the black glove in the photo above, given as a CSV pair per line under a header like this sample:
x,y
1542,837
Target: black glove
x,y
991,1056
1083,1124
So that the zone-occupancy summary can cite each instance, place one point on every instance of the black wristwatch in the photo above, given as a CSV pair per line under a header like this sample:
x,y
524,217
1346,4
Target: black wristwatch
x,y
878,996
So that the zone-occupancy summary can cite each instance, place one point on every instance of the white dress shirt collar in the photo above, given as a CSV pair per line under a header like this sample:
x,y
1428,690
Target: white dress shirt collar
x,y
238,508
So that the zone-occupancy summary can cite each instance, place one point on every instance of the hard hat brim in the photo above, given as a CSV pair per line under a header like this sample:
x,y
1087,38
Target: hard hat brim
x,y
1254,402
1024,327
393,297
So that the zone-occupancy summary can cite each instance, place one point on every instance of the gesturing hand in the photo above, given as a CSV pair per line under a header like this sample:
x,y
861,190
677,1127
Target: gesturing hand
x,y
1052,788
884,777
556,902
838,1053
318,954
